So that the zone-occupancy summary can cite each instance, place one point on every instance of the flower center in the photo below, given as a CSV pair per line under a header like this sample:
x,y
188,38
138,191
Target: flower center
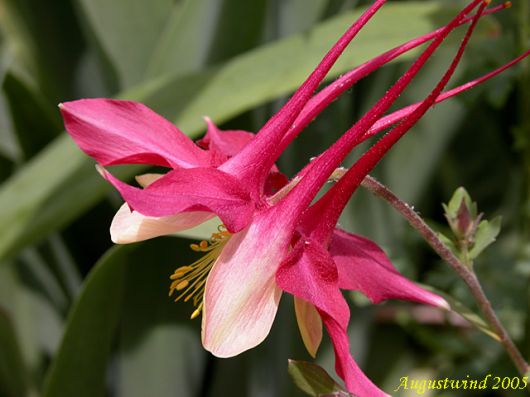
x,y
189,281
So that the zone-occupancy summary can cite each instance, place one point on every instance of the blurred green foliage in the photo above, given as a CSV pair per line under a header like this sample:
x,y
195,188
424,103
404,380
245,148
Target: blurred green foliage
x,y
80,318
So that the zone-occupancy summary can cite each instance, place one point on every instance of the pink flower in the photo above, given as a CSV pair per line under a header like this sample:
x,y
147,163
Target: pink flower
x,y
232,174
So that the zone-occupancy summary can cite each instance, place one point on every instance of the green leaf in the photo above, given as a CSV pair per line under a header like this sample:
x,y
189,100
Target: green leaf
x,y
295,16
124,303
183,45
486,235
159,347
473,235
314,380
65,266
127,31
13,379
43,279
239,19
37,324
35,122
6,167
45,50
45,195
461,214
453,206
8,146
80,364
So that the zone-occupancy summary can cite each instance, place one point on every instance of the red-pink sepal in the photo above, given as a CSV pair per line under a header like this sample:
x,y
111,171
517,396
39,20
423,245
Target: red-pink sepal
x,y
309,273
126,132
363,266
194,189
223,144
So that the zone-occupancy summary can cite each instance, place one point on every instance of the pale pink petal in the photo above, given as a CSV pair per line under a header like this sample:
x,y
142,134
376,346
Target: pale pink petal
x,y
310,274
130,226
125,132
309,324
364,267
241,297
187,190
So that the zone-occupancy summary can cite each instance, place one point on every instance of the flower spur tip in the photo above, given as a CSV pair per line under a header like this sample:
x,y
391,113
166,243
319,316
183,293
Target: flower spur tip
x,y
443,304
101,171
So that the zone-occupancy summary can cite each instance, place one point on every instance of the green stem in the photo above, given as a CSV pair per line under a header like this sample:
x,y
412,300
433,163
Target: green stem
x,y
467,275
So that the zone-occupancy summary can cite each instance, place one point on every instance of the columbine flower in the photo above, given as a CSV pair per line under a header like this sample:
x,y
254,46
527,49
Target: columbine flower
x,y
228,176
202,183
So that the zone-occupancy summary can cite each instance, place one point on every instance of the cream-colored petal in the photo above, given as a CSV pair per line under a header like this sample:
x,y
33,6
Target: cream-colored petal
x,y
145,180
309,324
241,297
130,226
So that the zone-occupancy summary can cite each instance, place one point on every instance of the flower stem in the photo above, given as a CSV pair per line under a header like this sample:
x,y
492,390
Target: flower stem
x,y
463,271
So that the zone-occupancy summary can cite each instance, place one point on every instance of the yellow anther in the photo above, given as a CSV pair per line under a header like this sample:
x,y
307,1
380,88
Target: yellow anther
x,y
183,284
191,280
508,4
196,313
180,272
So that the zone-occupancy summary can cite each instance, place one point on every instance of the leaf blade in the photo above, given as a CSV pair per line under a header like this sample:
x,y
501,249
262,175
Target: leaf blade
x,y
80,364
313,379
12,369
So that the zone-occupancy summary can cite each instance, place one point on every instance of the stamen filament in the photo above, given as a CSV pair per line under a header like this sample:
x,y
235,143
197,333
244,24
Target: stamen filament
x,y
190,281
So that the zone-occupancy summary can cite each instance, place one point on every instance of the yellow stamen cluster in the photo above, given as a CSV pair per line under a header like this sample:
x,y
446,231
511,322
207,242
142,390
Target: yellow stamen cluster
x,y
189,281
